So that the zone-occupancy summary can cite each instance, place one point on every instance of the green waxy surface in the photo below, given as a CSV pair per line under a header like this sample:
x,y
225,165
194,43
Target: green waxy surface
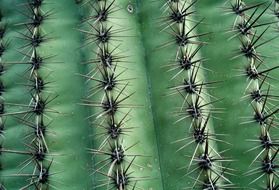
x,y
152,114
71,132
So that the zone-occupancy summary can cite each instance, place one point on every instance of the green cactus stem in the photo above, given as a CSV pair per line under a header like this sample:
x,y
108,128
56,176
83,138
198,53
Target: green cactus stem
x,y
130,94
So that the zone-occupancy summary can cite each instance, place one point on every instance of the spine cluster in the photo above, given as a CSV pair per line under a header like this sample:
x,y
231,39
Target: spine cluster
x,y
34,114
251,34
187,67
107,96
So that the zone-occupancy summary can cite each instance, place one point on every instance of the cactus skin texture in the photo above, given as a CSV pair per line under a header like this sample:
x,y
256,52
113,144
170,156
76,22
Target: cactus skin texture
x,y
239,110
130,94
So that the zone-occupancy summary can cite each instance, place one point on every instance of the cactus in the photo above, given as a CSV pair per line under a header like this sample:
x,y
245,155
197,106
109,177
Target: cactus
x,y
125,94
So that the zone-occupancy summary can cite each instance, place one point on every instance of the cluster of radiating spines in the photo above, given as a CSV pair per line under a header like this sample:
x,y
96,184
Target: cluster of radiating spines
x,y
250,31
3,44
207,166
34,115
107,95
